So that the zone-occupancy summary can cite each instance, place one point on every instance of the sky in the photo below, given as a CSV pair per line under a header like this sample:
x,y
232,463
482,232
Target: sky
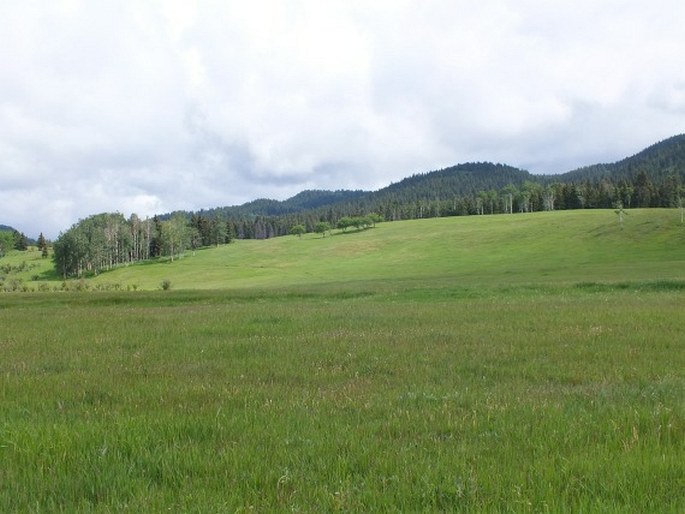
x,y
150,106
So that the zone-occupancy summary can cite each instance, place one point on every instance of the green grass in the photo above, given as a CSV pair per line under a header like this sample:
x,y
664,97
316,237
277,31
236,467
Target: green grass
x,y
25,270
475,251
483,364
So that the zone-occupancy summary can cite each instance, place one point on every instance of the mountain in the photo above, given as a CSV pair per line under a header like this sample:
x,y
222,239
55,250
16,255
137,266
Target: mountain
x,y
658,161
6,228
460,180
650,178
303,201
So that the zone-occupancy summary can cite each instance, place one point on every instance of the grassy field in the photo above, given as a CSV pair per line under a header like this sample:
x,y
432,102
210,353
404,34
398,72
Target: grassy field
x,y
484,364
564,247
472,251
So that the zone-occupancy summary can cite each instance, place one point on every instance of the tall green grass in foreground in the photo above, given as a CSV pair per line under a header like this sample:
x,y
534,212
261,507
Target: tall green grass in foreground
x,y
562,401
524,378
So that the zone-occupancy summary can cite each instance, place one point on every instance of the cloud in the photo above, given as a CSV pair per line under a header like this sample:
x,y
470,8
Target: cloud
x,y
149,107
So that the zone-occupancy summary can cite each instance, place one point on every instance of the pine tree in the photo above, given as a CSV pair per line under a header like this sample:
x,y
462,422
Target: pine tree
x,y
20,241
43,245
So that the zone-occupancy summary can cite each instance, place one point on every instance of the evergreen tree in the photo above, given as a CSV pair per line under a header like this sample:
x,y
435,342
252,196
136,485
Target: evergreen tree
x,y
20,242
644,190
156,237
43,245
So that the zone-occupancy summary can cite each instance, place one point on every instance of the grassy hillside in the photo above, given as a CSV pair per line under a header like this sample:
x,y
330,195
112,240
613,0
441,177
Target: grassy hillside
x,y
562,247
476,251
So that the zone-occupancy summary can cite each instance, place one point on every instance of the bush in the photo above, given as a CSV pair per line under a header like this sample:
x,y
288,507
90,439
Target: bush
x,y
166,284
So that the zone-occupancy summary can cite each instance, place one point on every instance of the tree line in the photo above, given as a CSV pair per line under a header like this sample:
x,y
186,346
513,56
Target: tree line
x,y
433,197
104,241
530,196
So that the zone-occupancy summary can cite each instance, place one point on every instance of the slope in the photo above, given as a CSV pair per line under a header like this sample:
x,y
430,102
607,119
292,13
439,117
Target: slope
x,y
551,248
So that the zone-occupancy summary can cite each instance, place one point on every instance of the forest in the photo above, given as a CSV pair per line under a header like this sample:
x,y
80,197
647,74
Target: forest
x,y
103,241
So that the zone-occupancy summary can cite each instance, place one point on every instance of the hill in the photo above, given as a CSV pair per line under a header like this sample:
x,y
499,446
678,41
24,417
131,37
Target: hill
x,y
459,180
479,251
658,161
303,201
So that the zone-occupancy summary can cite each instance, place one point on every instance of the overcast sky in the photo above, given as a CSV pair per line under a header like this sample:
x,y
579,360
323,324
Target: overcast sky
x,y
153,106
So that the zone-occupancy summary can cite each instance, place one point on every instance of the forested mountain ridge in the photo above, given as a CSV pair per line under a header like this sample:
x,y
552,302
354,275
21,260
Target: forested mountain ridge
x,y
307,199
658,161
650,178
462,179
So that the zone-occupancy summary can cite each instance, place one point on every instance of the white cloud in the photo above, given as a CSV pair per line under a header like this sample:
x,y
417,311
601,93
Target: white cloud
x,y
153,106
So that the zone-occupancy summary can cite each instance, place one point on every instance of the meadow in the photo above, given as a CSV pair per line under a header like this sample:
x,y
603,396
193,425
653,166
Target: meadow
x,y
521,363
